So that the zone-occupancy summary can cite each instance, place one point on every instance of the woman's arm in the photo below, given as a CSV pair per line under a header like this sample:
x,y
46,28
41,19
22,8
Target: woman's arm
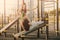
x,y
29,21
22,25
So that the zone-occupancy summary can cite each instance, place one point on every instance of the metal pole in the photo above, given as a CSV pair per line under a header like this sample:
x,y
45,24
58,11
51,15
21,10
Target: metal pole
x,y
8,19
4,11
57,16
18,7
5,14
18,26
38,17
38,10
54,16
2,20
42,13
47,30
42,10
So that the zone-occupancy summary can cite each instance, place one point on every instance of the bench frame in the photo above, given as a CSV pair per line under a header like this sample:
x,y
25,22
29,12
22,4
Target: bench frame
x,y
37,34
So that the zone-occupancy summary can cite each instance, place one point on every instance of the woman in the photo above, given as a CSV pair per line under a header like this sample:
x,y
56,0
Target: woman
x,y
25,21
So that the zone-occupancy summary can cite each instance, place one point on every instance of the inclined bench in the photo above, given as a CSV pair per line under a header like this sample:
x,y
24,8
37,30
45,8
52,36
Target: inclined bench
x,y
4,29
34,26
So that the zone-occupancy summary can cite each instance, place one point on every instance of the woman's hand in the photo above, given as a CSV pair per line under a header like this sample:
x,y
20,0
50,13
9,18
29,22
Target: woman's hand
x,y
29,24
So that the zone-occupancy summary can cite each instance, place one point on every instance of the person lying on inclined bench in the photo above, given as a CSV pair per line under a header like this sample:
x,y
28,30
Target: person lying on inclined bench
x,y
25,21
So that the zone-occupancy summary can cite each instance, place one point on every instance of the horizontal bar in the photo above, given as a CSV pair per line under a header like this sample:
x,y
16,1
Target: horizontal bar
x,y
48,0
49,6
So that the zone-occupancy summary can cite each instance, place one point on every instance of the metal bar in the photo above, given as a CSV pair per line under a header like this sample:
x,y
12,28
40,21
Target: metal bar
x,y
4,11
46,21
57,14
4,34
8,19
5,14
54,16
42,11
46,32
17,7
2,20
38,18
48,7
49,3
48,0
18,26
38,10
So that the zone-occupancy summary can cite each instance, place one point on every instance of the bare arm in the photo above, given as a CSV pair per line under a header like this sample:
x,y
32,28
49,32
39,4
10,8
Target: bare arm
x,y
29,21
22,25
